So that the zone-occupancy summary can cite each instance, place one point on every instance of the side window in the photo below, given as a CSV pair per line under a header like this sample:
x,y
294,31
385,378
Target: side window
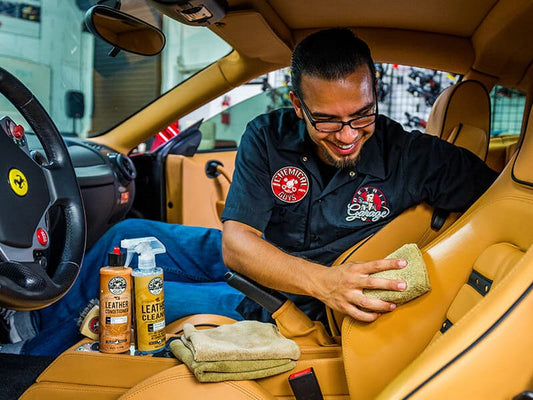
x,y
225,118
405,94
507,112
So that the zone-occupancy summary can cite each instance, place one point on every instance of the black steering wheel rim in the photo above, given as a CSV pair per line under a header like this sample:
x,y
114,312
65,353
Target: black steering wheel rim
x,y
25,284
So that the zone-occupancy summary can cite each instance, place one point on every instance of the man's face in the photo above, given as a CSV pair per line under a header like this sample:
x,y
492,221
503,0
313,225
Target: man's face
x,y
338,100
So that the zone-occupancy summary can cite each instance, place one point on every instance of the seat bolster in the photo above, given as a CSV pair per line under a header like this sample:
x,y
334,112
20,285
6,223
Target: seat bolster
x,y
374,353
523,166
488,353
435,122
179,382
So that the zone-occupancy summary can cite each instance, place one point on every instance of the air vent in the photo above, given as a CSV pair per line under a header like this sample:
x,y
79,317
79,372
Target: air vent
x,y
95,146
124,166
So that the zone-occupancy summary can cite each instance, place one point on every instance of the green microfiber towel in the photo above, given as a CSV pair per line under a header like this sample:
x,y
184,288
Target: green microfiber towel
x,y
415,274
218,371
242,340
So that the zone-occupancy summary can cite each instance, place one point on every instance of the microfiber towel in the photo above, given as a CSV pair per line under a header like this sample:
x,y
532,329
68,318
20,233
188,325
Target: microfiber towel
x,y
414,273
218,371
242,340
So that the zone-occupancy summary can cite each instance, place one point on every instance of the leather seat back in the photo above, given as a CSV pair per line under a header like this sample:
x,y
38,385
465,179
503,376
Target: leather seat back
x,y
461,115
476,320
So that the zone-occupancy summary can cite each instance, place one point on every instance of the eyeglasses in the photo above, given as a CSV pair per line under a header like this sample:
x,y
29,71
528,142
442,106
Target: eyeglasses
x,y
336,126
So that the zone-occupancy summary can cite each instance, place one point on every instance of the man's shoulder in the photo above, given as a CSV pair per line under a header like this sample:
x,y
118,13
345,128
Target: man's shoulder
x,y
391,132
275,122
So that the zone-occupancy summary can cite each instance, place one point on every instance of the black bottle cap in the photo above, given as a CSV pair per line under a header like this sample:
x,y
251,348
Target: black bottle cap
x,y
116,258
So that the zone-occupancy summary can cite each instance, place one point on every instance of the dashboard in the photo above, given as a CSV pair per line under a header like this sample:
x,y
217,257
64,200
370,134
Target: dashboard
x,y
106,179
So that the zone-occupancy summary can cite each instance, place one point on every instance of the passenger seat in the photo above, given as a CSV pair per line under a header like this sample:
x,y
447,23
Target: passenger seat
x,y
461,115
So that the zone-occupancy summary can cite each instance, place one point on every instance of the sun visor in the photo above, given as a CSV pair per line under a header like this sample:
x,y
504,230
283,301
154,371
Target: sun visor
x,y
252,36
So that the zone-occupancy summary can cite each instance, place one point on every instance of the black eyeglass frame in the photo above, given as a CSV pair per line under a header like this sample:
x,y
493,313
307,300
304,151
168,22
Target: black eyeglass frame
x,y
344,123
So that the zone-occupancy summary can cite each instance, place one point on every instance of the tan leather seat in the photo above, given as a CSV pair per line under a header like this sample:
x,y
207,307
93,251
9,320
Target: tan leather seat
x,y
461,115
470,337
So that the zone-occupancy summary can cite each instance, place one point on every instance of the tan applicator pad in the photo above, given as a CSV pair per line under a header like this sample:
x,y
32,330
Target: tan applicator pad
x,y
415,274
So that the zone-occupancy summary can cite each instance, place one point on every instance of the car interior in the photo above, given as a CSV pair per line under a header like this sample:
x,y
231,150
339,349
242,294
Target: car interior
x,y
468,337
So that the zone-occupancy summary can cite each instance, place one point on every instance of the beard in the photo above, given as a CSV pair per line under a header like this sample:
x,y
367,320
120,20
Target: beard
x,y
343,163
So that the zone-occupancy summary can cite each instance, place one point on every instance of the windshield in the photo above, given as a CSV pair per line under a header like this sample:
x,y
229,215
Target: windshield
x,y
86,92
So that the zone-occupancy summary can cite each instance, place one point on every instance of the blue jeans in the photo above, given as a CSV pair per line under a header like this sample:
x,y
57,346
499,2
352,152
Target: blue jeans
x,y
193,273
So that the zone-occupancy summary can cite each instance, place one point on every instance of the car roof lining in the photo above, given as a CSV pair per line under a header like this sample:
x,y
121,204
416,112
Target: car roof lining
x,y
496,31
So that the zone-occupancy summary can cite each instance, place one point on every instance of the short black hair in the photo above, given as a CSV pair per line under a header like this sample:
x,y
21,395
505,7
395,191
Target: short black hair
x,y
329,54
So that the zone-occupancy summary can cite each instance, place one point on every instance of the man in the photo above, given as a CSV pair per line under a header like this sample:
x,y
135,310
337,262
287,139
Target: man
x,y
356,170
309,182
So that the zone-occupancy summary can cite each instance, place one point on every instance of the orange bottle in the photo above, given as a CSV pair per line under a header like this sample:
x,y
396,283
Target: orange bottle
x,y
115,305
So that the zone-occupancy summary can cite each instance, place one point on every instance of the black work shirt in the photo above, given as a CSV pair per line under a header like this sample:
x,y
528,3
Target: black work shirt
x,y
278,185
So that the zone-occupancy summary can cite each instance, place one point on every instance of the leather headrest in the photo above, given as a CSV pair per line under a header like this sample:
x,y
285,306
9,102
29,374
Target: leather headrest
x,y
523,165
465,103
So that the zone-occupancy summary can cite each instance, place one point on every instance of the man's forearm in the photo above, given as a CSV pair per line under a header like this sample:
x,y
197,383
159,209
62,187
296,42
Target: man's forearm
x,y
244,251
340,287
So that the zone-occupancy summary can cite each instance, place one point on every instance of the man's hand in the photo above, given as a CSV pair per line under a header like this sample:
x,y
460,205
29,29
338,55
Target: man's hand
x,y
341,288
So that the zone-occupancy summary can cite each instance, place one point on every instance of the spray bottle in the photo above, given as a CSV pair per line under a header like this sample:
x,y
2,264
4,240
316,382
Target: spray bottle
x,y
115,305
149,293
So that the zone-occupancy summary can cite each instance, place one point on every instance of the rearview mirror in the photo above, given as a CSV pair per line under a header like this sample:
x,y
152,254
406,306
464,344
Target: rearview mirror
x,y
124,31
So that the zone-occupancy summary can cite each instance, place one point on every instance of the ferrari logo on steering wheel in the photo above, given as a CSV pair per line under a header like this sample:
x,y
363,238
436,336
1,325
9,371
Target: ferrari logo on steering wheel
x,y
18,182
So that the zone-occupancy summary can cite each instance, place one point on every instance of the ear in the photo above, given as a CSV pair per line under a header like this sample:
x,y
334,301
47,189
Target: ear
x,y
296,104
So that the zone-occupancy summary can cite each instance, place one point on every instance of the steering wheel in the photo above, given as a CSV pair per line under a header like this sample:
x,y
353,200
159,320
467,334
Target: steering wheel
x,y
30,186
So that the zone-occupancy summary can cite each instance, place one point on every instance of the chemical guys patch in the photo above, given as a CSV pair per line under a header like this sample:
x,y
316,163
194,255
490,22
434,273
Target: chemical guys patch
x,y
290,184
368,205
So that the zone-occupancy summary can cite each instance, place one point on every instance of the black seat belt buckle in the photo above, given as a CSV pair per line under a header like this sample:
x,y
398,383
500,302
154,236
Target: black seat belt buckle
x,y
305,386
